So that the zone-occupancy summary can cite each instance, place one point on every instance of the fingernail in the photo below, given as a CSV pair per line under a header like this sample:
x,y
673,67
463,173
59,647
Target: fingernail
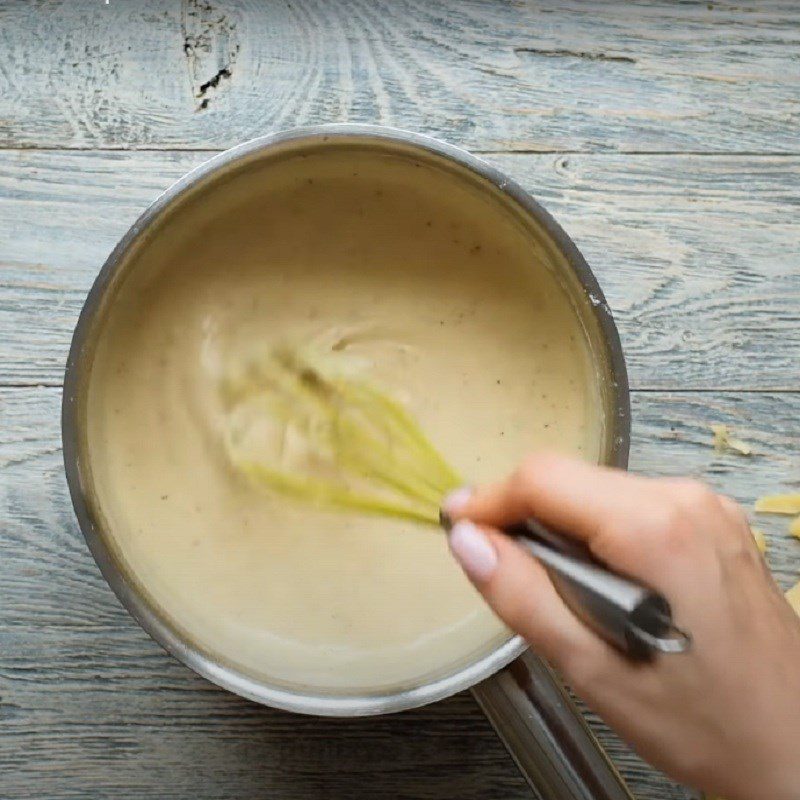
x,y
473,550
456,500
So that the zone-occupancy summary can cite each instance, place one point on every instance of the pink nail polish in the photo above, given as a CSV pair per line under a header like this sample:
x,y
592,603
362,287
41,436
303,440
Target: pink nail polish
x,y
456,500
473,551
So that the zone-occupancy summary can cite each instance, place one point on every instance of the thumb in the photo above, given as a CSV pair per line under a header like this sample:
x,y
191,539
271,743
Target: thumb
x,y
520,592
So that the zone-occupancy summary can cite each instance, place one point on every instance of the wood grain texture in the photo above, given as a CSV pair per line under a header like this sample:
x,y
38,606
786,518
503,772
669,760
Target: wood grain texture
x,y
601,75
698,256
91,707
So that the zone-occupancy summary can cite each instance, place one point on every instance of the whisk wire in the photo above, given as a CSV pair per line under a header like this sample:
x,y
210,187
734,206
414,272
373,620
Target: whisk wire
x,y
375,458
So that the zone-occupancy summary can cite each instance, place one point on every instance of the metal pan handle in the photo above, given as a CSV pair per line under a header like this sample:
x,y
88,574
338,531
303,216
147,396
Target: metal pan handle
x,y
546,734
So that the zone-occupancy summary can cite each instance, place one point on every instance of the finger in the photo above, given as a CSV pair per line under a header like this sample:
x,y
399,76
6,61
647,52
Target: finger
x,y
564,492
578,498
520,592
739,535
736,514
627,521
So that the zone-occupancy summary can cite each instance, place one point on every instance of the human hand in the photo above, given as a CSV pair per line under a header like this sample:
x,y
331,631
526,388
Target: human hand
x,y
724,717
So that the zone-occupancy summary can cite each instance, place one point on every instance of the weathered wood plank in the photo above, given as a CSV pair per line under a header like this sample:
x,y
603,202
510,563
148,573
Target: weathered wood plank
x,y
698,255
644,76
90,707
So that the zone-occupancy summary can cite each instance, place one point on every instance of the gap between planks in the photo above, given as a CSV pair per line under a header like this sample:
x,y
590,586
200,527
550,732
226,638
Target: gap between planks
x,y
475,151
638,390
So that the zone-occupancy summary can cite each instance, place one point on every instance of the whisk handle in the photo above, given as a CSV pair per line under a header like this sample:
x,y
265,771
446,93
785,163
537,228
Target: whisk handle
x,y
627,614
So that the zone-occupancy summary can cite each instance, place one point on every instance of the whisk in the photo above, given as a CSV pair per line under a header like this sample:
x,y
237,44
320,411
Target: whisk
x,y
340,443
343,443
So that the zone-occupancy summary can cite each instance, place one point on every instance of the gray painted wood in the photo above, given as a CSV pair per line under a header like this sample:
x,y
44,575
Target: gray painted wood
x,y
644,76
698,255
90,707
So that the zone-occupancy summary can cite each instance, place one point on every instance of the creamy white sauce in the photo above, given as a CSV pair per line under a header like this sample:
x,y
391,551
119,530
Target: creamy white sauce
x,y
450,307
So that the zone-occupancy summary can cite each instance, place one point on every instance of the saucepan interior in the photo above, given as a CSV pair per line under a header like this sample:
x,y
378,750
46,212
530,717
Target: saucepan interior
x,y
204,213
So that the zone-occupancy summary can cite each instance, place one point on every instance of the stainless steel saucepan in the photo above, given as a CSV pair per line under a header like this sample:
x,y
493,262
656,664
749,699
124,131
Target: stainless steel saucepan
x,y
519,693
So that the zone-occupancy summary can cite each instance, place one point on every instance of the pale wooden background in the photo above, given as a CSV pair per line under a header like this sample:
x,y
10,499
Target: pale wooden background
x,y
663,135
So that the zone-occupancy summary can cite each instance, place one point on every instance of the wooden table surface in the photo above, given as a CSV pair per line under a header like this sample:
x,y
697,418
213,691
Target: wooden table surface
x,y
663,135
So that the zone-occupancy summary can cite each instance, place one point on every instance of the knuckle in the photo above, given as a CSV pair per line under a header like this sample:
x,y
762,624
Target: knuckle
x,y
669,528
746,556
530,466
525,475
741,553
615,534
735,512
696,495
